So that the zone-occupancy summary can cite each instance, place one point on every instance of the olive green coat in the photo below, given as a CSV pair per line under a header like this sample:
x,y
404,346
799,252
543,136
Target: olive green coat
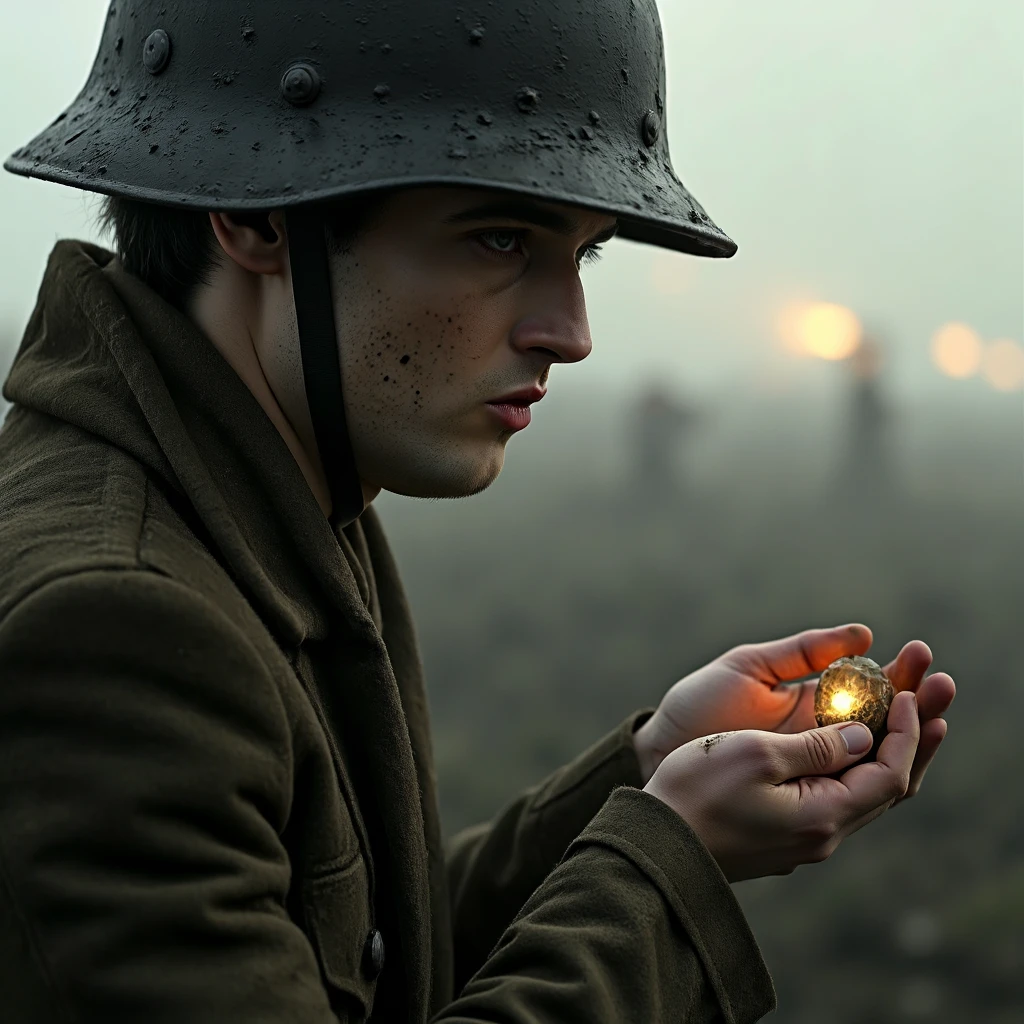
x,y
216,779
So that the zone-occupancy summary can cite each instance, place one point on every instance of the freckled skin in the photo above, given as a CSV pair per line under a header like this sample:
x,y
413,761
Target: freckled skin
x,y
433,321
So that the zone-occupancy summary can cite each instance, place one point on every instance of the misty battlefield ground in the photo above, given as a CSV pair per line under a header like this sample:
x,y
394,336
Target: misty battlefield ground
x,y
580,587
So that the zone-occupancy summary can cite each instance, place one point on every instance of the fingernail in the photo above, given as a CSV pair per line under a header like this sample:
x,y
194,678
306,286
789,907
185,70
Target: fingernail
x,y
857,737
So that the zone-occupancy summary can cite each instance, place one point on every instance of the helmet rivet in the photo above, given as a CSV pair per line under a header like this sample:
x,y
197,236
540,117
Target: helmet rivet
x,y
651,128
300,85
527,100
157,51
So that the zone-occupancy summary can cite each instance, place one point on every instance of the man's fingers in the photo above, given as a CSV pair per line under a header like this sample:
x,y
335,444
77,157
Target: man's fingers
x,y
888,778
933,732
799,655
934,695
800,715
822,751
907,668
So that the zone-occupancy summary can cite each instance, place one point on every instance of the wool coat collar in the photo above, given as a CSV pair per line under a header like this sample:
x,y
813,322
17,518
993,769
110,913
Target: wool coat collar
x,y
105,353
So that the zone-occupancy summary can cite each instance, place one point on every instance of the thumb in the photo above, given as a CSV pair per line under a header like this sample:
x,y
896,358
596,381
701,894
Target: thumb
x,y
823,751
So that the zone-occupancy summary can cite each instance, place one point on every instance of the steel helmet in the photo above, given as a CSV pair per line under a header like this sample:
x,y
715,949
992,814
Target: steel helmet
x,y
250,105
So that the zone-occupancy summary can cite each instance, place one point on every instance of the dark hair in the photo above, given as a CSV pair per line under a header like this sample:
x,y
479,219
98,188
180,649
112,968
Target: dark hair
x,y
175,251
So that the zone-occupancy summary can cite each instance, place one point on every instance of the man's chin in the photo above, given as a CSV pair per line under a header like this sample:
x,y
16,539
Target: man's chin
x,y
440,493
463,484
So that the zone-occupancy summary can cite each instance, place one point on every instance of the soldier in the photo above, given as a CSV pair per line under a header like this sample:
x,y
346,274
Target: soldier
x,y
348,240
660,422
869,434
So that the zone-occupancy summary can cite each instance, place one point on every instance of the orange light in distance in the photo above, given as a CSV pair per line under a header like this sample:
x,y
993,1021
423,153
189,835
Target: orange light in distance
x,y
1003,365
956,351
823,330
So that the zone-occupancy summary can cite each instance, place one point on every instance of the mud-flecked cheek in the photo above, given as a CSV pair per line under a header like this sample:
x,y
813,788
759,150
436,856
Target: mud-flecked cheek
x,y
415,360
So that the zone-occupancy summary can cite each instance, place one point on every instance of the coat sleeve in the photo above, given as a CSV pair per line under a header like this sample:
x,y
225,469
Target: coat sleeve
x,y
493,868
597,902
635,923
144,779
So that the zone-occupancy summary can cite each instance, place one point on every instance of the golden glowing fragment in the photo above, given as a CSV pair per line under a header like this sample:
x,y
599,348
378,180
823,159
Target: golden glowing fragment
x,y
843,702
854,690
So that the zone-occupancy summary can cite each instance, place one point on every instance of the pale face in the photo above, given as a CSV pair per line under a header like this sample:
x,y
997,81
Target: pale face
x,y
450,299
447,300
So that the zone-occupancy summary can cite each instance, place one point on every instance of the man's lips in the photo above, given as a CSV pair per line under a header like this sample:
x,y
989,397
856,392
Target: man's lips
x,y
527,396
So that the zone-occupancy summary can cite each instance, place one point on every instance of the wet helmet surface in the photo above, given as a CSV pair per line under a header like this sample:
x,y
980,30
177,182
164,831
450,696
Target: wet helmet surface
x,y
256,105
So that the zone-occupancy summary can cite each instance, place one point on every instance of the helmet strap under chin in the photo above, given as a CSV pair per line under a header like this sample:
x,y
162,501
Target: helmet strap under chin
x,y
321,365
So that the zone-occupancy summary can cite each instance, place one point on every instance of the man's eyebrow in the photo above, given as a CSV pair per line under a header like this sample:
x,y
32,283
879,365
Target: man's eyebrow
x,y
526,212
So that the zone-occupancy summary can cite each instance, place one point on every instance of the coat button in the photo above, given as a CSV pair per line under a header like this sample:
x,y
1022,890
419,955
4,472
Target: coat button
x,y
373,954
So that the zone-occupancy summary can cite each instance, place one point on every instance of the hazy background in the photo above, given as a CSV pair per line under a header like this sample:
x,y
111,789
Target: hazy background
x,y
795,437
865,153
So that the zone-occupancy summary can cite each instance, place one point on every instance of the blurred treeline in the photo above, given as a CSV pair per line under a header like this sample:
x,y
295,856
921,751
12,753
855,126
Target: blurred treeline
x,y
607,562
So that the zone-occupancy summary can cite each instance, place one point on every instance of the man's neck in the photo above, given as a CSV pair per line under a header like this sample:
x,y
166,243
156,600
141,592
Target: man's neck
x,y
222,322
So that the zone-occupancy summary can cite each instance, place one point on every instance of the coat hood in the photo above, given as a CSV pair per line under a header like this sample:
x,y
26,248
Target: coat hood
x,y
104,353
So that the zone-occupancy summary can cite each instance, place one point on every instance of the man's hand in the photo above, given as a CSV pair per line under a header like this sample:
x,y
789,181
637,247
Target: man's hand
x,y
763,804
752,687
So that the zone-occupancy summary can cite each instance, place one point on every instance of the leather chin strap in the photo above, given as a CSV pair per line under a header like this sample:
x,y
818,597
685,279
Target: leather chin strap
x,y
321,366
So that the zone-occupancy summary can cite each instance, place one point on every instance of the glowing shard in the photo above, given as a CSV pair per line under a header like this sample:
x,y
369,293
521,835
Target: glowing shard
x,y
854,690
843,702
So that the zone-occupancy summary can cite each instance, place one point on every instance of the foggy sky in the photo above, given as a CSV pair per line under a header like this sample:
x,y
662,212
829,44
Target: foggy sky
x,y
868,153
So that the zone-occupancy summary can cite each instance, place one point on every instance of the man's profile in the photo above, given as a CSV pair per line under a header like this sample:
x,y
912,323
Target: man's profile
x,y
348,245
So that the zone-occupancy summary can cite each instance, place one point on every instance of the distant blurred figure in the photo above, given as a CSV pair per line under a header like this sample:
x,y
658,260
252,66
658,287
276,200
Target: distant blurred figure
x,y
659,425
869,438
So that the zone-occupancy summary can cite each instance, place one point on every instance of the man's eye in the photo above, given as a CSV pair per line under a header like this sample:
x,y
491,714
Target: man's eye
x,y
506,242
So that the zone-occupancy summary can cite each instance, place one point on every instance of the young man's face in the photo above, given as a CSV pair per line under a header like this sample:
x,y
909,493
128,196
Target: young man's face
x,y
450,299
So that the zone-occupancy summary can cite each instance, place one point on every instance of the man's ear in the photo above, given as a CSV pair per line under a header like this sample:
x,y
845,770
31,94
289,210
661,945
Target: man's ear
x,y
257,242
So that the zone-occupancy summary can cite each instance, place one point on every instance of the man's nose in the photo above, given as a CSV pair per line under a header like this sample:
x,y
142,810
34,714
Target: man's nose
x,y
558,325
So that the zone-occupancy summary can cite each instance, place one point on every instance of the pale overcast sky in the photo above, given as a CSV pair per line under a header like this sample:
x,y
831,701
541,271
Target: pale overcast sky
x,y
868,153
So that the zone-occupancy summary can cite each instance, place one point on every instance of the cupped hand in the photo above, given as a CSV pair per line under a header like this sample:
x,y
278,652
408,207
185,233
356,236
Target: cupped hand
x,y
754,686
764,803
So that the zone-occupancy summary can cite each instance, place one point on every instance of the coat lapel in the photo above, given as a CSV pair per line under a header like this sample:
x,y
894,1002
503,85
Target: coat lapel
x,y
403,651
362,697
